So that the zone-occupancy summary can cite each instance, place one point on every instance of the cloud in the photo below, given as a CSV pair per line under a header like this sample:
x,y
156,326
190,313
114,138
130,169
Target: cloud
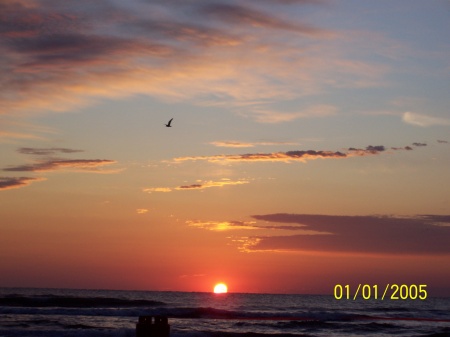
x,y
208,184
416,235
423,120
52,164
232,143
141,210
287,2
264,115
199,186
236,14
157,189
238,144
440,141
17,135
7,183
188,33
58,55
292,156
381,148
251,225
284,157
46,151
368,150
87,165
221,226
407,148
9,125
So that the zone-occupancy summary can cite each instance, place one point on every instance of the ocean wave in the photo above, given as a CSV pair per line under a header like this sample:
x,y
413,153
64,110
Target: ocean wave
x,y
238,334
70,333
95,313
43,301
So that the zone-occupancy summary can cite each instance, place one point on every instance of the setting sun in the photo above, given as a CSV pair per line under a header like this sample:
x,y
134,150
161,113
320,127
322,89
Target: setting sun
x,y
220,288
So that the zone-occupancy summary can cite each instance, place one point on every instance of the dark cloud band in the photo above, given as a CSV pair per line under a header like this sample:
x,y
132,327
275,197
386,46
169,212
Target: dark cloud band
x,y
418,235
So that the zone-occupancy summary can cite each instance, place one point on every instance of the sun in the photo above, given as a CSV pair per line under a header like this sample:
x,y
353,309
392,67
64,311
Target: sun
x,y
220,288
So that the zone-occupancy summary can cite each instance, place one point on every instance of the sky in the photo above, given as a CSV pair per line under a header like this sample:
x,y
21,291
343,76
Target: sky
x,y
309,147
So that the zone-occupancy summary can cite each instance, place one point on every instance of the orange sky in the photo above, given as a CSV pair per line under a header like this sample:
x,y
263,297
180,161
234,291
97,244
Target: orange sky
x,y
309,145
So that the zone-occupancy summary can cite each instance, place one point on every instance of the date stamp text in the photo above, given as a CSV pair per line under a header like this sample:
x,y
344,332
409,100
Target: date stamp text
x,y
390,291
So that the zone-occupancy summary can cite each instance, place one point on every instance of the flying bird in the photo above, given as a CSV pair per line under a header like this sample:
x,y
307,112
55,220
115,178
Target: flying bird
x,y
168,124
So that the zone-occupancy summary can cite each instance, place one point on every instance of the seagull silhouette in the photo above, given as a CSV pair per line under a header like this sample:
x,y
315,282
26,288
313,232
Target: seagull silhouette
x,y
168,124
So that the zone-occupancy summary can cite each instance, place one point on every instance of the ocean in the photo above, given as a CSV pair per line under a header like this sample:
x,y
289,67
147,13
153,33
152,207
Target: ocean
x,y
101,313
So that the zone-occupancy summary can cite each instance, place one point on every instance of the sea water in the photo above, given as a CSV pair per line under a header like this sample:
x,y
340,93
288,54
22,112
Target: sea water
x,y
99,313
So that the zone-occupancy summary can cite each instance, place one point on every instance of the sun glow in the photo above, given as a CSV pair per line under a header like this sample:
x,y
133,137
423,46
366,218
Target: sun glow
x,y
220,288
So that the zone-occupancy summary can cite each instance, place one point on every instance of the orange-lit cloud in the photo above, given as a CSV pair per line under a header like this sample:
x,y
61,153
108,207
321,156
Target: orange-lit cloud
x,y
198,186
251,225
141,210
293,156
55,164
7,183
9,125
231,143
87,165
57,56
157,189
417,235
285,157
222,225
238,144
208,184
17,135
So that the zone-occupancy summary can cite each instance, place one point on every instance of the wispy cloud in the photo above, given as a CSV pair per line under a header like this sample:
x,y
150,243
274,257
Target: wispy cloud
x,y
236,14
87,165
232,143
46,151
200,185
423,120
208,184
295,156
12,129
238,144
59,55
252,225
55,164
265,115
17,135
221,226
407,148
7,183
157,189
391,235
141,210
50,164
285,157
